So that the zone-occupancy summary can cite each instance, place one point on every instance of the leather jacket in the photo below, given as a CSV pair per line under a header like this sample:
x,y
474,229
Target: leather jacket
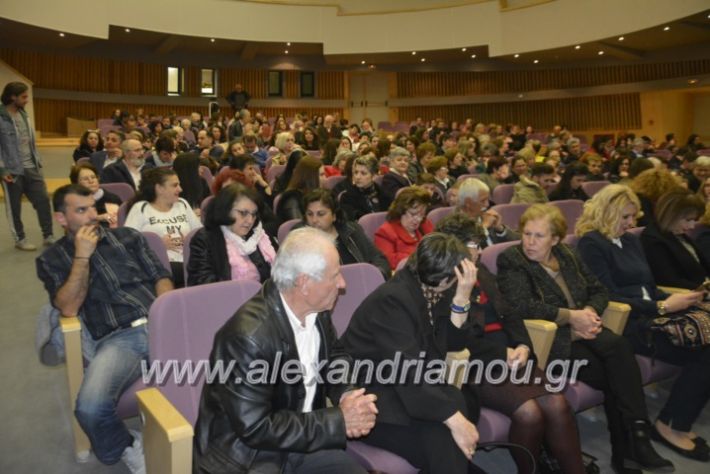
x,y
243,425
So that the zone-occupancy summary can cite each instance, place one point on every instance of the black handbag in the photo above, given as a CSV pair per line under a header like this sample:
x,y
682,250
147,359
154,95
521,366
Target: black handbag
x,y
689,329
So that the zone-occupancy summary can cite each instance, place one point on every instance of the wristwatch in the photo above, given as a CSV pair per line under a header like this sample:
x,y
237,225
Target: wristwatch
x,y
661,306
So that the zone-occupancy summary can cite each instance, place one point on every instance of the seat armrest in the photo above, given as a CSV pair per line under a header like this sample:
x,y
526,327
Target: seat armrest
x,y
542,334
615,317
672,289
167,435
457,361
71,329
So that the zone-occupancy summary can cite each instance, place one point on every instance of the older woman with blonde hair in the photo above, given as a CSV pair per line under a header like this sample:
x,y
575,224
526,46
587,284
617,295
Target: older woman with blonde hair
x,y
544,278
651,185
616,257
285,143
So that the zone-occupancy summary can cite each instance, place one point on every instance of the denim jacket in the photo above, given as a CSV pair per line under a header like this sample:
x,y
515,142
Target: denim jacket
x,y
10,161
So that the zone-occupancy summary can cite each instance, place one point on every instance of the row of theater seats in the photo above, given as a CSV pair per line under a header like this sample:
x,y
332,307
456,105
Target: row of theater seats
x,y
182,325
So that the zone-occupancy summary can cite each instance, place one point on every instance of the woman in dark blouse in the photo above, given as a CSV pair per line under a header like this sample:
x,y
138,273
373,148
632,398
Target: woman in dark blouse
x,y
106,203
362,195
616,257
570,187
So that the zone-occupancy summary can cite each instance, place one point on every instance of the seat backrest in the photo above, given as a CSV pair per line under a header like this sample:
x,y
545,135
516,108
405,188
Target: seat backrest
x,y
593,187
503,193
285,228
361,279
314,153
436,215
122,190
371,222
83,160
182,326
206,174
489,256
157,245
378,179
331,181
203,207
571,209
186,250
121,214
274,172
466,176
571,240
510,213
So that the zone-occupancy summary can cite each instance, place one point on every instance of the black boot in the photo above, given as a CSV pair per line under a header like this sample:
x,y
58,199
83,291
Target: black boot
x,y
640,453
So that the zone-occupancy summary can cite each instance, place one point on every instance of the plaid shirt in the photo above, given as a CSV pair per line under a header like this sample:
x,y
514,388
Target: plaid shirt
x,y
122,276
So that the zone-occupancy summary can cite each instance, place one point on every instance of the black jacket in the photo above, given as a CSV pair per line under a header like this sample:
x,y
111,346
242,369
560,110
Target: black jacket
x,y
241,426
391,183
290,205
118,173
393,320
209,262
670,261
356,202
533,294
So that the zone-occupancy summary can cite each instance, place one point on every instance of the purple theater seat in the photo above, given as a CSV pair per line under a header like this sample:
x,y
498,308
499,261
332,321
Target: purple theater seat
x,y
122,190
157,245
331,181
122,214
571,240
582,397
655,370
127,405
285,228
83,160
186,251
274,172
503,193
436,215
593,187
489,256
314,153
371,222
203,207
510,213
493,426
182,325
571,209
376,459
361,279
466,176
206,174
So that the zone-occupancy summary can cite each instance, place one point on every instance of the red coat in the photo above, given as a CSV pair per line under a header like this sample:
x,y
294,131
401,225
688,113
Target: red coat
x,y
396,243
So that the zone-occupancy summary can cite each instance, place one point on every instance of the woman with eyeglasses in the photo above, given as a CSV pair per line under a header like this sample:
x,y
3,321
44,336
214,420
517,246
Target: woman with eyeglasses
x,y
406,224
233,244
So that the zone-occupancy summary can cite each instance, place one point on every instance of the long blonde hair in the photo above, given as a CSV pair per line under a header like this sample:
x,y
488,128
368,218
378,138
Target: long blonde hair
x,y
604,210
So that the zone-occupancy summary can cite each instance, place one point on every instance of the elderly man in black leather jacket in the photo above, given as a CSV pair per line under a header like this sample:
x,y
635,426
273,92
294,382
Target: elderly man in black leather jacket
x,y
258,421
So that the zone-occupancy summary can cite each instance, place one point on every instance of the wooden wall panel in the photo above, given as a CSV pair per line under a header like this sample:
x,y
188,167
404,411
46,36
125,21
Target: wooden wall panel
x,y
611,112
253,81
432,84
330,85
292,84
51,115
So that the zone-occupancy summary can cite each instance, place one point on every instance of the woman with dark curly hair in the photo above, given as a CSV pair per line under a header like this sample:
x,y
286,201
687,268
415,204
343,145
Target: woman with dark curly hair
x,y
90,142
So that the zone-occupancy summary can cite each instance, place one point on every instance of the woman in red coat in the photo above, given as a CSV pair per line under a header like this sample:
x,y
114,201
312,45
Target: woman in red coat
x,y
406,225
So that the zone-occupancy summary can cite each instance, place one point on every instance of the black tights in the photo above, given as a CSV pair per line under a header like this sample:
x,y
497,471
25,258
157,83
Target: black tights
x,y
547,418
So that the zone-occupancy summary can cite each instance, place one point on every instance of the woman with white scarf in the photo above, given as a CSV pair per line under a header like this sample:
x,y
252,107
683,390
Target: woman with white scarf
x,y
233,244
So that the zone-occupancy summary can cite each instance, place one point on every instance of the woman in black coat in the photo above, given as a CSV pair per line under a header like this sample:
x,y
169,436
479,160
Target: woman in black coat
x,y
396,178
90,142
616,257
676,260
570,186
232,245
415,319
362,195
543,278
353,245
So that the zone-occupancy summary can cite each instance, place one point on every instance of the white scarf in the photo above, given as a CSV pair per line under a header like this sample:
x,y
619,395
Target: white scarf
x,y
99,194
246,247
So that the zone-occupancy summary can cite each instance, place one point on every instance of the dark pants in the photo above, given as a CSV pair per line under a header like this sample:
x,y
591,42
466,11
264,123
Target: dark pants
x,y
32,185
326,461
612,368
691,390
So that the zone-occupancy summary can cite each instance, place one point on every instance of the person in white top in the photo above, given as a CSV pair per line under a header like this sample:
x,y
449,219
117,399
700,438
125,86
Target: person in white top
x,y
158,208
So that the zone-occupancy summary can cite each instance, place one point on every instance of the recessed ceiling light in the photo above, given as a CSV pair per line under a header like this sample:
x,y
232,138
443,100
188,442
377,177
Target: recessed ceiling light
x,y
516,55
371,66
286,52
577,47
600,53
423,60
362,62
536,61
666,28
61,35
127,30
212,40
621,38
473,56
288,44
692,82
414,53
463,49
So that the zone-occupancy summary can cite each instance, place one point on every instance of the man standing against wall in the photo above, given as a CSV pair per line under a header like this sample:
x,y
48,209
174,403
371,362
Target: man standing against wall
x,y
20,166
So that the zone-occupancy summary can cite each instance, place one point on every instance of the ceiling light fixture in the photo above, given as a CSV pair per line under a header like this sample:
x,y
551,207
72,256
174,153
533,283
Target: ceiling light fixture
x,y
362,62
371,66
600,53
473,56
621,38
288,44
536,61
414,53
286,52
423,60
61,35
516,55
127,30
463,49
692,82
666,28
577,47
212,40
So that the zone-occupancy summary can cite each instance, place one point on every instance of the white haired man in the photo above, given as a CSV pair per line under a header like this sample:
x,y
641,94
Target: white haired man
x,y
473,200
270,424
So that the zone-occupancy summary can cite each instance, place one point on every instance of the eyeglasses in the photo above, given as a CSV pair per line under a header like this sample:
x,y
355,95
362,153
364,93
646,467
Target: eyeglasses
x,y
415,215
473,245
244,213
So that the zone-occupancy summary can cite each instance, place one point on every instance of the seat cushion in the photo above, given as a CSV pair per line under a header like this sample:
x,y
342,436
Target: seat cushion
x,y
372,458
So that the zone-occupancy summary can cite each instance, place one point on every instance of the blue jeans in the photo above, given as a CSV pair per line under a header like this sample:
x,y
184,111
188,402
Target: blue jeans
x,y
114,364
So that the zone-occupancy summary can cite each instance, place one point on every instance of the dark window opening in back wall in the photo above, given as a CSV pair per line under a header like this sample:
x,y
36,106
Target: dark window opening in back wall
x,y
275,88
308,85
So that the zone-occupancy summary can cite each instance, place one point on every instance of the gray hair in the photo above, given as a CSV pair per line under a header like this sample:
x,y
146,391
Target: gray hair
x,y
702,161
639,142
398,151
301,253
573,141
125,145
470,189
